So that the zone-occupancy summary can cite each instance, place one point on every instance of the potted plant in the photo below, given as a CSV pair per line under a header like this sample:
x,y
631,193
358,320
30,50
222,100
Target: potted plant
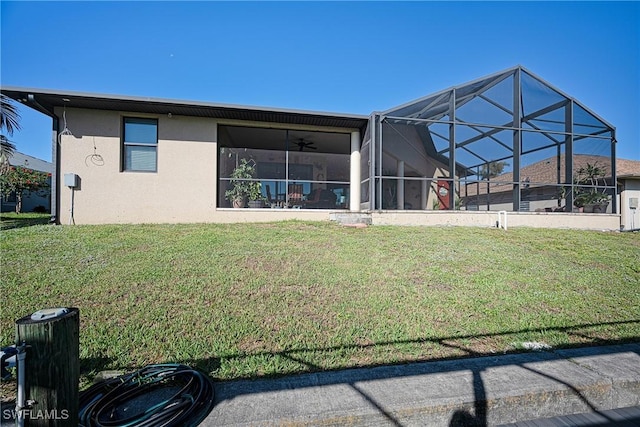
x,y
242,188
594,198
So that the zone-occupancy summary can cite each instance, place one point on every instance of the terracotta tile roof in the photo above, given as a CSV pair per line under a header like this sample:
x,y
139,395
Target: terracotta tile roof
x,y
546,171
626,167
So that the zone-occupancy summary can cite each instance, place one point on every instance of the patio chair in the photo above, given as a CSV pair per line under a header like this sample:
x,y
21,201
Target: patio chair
x,y
295,194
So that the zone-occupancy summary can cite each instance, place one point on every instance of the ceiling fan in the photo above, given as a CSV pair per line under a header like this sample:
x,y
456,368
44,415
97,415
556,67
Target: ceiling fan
x,y
302,144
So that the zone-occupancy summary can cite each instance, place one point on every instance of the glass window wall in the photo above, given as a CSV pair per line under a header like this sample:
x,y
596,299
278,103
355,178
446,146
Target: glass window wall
x,y
288,168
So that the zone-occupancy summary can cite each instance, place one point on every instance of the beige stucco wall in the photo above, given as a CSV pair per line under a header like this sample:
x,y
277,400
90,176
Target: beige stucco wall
x,y
182,190
630,217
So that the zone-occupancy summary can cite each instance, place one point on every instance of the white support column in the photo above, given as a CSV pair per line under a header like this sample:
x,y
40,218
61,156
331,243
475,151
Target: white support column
x,y
400,185
354,183
424,194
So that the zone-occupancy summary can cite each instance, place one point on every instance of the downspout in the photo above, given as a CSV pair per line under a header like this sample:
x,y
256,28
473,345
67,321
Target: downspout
x,y
55,155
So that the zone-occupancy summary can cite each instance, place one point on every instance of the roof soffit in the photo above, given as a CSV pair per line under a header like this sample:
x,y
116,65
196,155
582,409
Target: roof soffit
x,y
47,100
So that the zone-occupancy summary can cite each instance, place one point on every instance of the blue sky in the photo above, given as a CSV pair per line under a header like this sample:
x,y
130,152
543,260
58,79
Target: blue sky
x,y
348,57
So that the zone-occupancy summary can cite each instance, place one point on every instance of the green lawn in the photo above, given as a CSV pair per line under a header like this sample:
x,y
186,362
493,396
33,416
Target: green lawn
x,y
10,220
249,300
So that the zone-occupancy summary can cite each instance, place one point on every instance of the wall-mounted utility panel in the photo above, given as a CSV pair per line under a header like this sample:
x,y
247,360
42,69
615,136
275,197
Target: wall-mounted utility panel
x,y
71,180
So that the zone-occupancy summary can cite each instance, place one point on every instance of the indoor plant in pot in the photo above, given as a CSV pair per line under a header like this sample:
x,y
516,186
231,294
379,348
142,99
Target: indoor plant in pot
x,y
242,189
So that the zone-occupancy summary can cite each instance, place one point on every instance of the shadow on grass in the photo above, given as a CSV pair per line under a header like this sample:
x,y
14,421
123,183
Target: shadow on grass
x,y
476,416
450,343
9,221
471,360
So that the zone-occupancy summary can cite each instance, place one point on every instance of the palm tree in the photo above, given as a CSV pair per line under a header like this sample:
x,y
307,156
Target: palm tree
x,y
9,121
7,148
9,116
492,169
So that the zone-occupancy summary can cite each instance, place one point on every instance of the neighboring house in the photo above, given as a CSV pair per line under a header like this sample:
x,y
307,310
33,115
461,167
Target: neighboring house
x,y
538,194
122,159
629,185
30,200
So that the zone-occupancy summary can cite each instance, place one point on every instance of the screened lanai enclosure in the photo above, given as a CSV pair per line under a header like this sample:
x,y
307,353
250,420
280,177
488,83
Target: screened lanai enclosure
x,y
506,142
509,141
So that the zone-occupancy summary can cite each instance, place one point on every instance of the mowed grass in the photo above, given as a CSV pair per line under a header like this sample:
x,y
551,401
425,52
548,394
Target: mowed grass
x,y
249,300
10,220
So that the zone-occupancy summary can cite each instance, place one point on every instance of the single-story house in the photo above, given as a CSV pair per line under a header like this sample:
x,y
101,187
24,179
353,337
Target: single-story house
x,y
629,190
123,159
31,201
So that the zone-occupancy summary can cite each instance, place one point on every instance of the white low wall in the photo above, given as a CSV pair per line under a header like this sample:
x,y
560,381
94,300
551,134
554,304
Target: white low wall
x,y
489,219
579,221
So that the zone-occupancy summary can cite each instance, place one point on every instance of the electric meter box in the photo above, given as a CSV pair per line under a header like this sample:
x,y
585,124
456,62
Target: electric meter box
x,y
71,180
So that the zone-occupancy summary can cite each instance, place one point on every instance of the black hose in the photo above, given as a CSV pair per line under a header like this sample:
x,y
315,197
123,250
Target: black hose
x,y
187,406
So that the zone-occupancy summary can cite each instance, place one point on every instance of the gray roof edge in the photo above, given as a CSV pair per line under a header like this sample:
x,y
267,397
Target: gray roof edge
x,y
180,102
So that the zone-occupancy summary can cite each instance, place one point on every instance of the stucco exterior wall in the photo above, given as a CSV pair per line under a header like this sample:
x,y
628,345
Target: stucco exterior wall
x,y
630,217
182,190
